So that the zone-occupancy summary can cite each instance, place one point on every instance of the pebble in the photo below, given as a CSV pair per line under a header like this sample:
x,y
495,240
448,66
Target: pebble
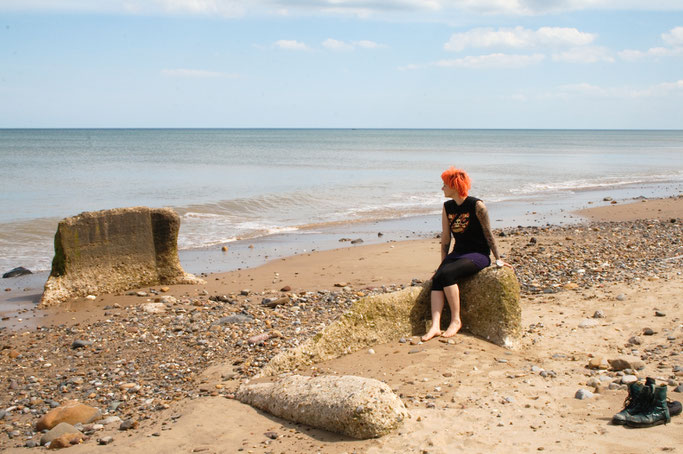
x,y
271,435
627,379
588,323
679,389
105,440
91,297
599,314
80,344
635,340
582,394
402,340
660,314
371,351
128,425
648,332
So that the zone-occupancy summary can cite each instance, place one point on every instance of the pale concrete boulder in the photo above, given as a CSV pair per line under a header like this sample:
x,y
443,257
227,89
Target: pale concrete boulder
x,y
115,250
71,412
489,306
354,406
372,320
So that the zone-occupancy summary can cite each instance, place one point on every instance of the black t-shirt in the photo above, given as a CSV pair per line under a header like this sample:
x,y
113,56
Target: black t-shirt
x,y
466,228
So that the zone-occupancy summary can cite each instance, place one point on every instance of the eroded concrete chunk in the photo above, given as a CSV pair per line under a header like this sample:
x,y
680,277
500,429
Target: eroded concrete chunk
x,y
115,250
354,406
489,306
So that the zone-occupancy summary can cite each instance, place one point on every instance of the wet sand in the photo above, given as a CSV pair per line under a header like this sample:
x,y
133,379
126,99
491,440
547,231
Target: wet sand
x,y
469,395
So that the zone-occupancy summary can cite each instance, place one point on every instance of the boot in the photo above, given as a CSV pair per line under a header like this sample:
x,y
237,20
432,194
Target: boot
x,y
655,410
633,402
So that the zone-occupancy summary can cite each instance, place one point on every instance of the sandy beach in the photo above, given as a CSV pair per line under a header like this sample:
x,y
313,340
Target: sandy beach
x,y
607,288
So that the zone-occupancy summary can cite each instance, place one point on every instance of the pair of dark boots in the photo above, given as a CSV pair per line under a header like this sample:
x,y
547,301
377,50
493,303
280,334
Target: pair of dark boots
x,y
646,406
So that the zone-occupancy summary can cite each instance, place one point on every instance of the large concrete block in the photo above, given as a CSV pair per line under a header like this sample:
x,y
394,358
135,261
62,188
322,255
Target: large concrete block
x,y
372,320
354,406
489,306
115,250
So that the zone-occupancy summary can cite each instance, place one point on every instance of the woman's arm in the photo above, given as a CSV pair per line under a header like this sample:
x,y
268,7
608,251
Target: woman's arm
x,y
483,216
445,235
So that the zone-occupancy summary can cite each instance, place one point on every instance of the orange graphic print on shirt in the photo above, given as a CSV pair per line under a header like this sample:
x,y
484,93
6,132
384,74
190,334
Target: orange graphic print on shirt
x,y
459,222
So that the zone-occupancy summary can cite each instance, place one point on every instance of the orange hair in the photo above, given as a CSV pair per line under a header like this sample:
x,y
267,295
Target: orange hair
x,y
457,179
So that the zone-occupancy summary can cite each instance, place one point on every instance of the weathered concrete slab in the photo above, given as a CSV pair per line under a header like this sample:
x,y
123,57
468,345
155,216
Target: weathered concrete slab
x,y
354,406
490,309
372,320
115,250
489,306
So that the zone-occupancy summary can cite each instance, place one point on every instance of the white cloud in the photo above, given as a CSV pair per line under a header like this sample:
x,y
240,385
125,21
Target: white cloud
x,y
518,37
200,73
290,44
334,44
587,54
586,89
674,37
492,61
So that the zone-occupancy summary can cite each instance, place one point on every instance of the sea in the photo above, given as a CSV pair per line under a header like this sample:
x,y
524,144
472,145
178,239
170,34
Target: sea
x,y
275,192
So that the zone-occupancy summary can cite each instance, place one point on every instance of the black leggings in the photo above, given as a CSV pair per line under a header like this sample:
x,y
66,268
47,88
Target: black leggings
x,y
450,271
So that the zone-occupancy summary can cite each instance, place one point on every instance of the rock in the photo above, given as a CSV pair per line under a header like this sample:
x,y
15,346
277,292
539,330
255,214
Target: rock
x,y
245,292
105,440
267,302
286,288
598,363
660,314
621,297
57,431
271,435
341,284
679,389
258,338
623,364
2,414
31,444
141,294
79,343
128,425
648,332
582,394
224,249
599,314
588,323
115,250
489,306
110,420
72,412
357,241
18,271
372,320
635,340
354,406
230,319
66,441
153,308
91,297
627,379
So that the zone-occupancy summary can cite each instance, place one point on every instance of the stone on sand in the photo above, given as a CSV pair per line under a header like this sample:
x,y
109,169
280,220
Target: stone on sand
x,y
58,431
115,250
354,406
72,412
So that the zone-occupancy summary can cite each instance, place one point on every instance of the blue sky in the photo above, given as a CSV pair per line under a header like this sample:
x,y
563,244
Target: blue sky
x,y
342,63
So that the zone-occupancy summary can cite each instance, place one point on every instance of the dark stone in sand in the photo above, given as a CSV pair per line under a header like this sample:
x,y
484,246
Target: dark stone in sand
x,y
18,271
357,241
78,343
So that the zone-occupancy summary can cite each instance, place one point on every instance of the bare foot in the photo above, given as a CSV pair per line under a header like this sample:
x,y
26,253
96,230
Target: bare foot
x,y
453,329
433,332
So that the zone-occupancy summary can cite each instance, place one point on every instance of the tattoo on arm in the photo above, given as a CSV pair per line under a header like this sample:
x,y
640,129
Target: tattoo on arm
x,y
483,216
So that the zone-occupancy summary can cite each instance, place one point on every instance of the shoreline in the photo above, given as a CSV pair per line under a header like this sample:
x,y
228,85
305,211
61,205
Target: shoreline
x,y
25,291
185,364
